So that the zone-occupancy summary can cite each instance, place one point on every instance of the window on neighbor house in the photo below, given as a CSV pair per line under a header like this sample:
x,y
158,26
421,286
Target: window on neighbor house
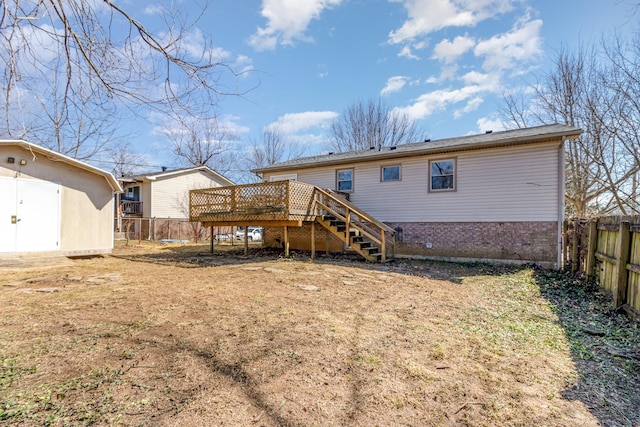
x,y
344,180
390,173
133,193
442,175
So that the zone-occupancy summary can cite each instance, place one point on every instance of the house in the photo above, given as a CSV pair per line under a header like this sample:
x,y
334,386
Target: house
x,y
155,205
51,202
493,196
164,194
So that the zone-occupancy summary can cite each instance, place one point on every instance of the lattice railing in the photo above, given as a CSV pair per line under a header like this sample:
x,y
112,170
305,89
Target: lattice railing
x,y
279,200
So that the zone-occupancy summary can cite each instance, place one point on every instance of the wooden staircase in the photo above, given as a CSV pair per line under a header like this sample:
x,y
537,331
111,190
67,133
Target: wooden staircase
x,y
359,231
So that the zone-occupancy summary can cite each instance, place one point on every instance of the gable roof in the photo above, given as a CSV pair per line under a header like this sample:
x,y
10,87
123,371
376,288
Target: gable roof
x,y
53,155
152,176
505,138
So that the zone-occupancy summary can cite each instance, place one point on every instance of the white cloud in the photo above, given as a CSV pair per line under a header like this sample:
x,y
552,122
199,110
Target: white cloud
x,y
287,21
154,9
427,16
394,84
521,44
472,105
448,51
490,123
406,52
429,103
292,123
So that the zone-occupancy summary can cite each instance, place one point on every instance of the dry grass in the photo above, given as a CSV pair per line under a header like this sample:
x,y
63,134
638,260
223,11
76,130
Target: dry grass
x,y
173,336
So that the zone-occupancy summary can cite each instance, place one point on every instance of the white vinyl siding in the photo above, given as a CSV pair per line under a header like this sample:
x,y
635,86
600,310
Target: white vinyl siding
x,y
506,184
170,196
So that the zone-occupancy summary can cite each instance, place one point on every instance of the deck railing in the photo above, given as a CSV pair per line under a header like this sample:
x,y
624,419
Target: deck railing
x,y
263,201
132,208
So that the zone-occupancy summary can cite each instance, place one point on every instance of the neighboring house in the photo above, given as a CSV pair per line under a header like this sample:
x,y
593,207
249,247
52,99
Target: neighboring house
x,y
493,196
165,194
51,202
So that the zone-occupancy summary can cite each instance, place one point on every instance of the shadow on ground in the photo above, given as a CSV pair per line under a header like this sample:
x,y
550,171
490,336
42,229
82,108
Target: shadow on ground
x,y
605,348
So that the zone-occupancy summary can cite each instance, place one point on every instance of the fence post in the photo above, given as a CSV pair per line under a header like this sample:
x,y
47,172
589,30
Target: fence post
x,y
591,249
575,243
621,274
565,244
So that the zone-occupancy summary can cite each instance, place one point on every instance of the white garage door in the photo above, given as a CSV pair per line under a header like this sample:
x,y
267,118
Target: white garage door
x,y
29,215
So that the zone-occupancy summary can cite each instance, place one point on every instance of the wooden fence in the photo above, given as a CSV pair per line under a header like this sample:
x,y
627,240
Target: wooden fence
x,y
607,249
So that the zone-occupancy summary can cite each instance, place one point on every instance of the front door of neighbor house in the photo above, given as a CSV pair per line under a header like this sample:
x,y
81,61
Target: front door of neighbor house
x,y
29,215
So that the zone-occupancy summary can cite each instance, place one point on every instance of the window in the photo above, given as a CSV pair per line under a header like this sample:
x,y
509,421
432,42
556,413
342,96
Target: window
x,y
442,174
390,173
344,180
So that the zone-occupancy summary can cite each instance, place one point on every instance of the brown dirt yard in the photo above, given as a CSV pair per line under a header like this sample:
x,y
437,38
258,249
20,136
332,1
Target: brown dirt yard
x,y
173,335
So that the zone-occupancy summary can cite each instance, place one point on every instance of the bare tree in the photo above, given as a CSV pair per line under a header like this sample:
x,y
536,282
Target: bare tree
x,y
371,124
578,91
97,57
204,142
274,147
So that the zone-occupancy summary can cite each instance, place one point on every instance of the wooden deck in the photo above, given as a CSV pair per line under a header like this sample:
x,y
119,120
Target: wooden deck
x,y
291,204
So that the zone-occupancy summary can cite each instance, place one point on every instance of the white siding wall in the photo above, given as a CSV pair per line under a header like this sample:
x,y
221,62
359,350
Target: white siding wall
x,y
170,195
500,185
86,201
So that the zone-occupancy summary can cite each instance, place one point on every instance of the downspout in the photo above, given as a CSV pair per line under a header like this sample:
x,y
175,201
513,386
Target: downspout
x,y
561,190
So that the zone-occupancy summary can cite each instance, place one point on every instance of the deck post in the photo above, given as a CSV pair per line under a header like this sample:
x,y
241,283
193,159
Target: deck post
x,y
246,240
286,241
383,247
211,239
313,240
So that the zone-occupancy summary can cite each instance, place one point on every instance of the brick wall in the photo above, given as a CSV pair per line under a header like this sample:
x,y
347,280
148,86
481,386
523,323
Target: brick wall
x,y
532,241
520,241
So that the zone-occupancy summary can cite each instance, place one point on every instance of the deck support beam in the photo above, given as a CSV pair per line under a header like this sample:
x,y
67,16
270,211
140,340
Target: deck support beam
x,y
286,241
313,240
246,240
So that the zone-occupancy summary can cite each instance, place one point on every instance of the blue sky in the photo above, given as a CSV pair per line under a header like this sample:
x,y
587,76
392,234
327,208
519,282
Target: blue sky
x,y
442,62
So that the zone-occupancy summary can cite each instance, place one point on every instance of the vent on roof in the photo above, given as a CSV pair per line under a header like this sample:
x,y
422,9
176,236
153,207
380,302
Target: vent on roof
x,y
427,140
488,132
372,148
393,148
164,168
330,152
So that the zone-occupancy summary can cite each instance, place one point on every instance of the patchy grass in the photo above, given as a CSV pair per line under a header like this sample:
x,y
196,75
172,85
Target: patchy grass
x,y
174,335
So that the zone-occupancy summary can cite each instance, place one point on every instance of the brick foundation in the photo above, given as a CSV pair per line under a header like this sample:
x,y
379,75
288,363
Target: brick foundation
x,y
518,241
512,241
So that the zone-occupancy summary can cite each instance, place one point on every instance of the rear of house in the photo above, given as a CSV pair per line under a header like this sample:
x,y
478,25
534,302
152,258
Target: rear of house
x,y
53,203
494,196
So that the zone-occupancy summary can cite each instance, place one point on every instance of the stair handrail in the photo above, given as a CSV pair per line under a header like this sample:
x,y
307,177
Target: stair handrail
x,y
354,209
386,233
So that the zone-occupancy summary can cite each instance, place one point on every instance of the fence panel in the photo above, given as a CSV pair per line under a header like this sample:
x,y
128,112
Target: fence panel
x,y
633,288
608,249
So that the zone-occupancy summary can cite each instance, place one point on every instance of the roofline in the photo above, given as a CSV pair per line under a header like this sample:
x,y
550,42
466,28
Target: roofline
x,y
113,182
155,176
325,160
